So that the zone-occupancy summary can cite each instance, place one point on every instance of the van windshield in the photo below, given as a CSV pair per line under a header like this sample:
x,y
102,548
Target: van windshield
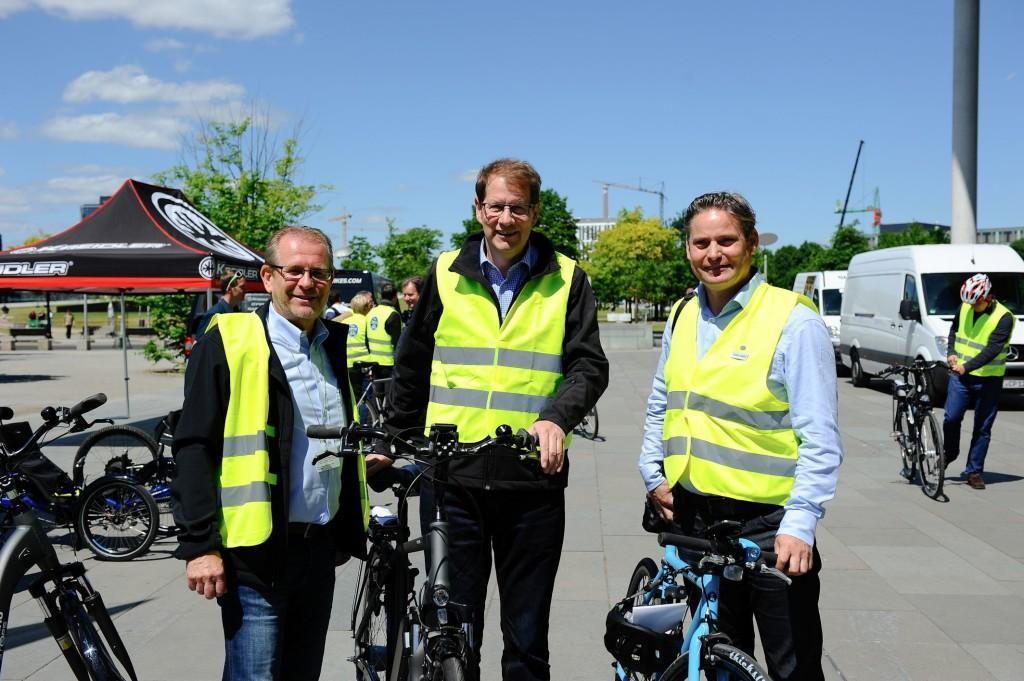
x,y
942,291
831,301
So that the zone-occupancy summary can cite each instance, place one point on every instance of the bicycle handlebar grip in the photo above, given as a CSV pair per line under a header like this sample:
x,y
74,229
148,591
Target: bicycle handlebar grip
x,y
770,558
682,541
320,432
527,440
87,405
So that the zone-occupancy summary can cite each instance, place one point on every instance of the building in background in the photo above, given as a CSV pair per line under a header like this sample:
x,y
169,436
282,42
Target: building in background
x,y
587,230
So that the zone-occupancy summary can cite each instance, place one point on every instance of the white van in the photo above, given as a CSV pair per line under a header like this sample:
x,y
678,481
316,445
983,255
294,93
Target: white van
x,y
825,289
900,302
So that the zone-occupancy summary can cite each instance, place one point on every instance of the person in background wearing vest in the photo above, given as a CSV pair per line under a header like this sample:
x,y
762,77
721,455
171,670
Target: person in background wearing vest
x,y
358,349
505,332
383,329
262,528
411,288
979,339
232,286
742,425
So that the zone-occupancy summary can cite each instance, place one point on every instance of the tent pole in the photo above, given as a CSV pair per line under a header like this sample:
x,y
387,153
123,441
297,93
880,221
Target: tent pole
x,y
85,318
124,354
49,331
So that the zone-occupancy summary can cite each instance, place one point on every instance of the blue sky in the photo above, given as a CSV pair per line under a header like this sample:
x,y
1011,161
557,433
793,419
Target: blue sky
x,y
400,102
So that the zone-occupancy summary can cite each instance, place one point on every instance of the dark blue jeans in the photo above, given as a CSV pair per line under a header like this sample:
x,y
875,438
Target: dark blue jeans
x,y
964,391
274,634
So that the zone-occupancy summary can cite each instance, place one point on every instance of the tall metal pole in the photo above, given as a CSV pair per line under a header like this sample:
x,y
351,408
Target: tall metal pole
x,y
604,201
965,122
124,355
85,318
842,218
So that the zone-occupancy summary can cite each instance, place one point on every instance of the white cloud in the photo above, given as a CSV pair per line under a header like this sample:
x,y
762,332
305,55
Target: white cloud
x,y
153,130
13,201
243,19
465,176
8,130
182,65
77,189
128,84
161,44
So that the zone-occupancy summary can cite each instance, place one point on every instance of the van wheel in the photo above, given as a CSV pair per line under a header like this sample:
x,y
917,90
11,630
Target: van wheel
x,y
860,379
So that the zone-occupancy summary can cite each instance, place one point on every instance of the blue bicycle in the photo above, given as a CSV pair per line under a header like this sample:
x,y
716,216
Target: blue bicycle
x,y
648,633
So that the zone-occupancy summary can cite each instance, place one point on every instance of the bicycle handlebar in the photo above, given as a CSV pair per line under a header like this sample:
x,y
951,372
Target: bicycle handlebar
x,y
916,366
55,416
723,552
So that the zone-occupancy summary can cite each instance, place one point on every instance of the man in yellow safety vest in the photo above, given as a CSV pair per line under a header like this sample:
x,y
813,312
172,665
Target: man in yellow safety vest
x,y
504,332
742,425
262,527
979,342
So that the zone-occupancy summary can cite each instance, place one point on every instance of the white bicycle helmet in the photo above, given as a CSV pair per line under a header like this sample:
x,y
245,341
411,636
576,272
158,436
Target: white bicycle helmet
x,y
975,288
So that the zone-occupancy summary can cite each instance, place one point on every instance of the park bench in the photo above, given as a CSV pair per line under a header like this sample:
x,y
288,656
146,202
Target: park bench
x,y
36,337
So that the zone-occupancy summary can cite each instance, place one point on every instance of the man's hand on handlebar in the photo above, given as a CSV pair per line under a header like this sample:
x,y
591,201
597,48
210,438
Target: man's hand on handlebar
x,y
551,440
375,463
662,498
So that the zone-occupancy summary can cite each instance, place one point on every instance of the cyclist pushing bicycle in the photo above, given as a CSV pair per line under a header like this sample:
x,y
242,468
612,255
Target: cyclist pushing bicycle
x,y
741,427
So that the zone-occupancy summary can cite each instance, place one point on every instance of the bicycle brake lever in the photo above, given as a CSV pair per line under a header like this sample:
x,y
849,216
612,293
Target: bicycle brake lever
x,y
767,569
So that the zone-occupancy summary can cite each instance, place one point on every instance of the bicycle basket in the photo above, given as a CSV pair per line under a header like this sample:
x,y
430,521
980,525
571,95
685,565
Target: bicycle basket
x,y
638,648
45,477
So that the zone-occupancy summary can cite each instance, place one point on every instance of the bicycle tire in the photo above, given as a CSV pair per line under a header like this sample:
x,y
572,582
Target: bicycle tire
x,y
369,622
588,426
87,640
720,658
114,450
903,433
931,458
643,573
117,519
450,669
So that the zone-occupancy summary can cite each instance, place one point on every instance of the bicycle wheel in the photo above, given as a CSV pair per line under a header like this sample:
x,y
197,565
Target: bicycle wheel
x,y
735,664
87,640
904,435
117,518
369,620
115,450
931,458
588,426
450,669
643,573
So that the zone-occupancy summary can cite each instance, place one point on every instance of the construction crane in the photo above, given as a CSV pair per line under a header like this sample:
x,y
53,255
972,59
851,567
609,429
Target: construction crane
x,y
637,188
875,208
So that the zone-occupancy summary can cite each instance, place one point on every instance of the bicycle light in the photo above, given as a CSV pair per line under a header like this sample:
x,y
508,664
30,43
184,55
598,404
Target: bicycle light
x,y
441,596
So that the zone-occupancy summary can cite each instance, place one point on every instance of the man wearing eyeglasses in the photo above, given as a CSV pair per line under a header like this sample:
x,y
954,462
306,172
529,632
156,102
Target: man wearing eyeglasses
x,y
505,332
262,527
232,288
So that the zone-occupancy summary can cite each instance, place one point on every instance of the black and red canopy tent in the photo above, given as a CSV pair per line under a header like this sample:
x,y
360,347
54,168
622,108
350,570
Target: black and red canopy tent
x,y
144,239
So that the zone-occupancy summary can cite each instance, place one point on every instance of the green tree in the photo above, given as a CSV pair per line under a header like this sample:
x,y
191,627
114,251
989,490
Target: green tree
x,y
238,175
363,256
915,234
410,252
786,261
847,242
638,259
555,221
1018,246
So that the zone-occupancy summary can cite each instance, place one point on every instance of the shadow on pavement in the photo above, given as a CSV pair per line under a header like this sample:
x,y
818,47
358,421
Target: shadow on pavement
x,y
990,478
18,636
28,378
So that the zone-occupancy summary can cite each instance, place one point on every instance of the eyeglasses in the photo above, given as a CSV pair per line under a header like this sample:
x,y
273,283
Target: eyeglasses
x,y
518,210
295,273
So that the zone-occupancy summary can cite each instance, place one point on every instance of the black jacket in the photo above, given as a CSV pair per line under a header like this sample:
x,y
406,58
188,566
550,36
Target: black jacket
x,y
198,443
584,366
996,342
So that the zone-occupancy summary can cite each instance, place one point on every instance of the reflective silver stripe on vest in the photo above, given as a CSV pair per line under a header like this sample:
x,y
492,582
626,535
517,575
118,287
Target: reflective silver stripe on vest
x,y
513,359
969,343
243,445
762,420
459,397
244,494
374,341
675,445
744,461
467,397
525,359
530,404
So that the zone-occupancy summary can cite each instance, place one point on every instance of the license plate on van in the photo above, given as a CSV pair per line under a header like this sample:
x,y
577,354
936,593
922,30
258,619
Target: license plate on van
x,y
1013,383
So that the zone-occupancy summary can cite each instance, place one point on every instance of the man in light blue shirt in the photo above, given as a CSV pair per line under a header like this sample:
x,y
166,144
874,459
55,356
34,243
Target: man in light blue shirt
x,y
721,242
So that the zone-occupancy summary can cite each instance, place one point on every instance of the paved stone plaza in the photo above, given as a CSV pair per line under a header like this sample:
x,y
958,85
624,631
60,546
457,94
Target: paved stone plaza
x,y
911,588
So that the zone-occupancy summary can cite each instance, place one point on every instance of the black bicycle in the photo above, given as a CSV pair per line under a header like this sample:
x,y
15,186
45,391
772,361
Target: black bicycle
x,y
374,397
401,634
73,612
114,516
914,426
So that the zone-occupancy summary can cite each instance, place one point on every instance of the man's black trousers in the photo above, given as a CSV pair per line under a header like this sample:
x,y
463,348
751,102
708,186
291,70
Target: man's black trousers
x,y
524,530
787,616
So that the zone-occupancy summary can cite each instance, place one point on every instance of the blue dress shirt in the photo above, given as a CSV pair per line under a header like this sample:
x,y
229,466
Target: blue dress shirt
x,y
505,286
315,490
802,373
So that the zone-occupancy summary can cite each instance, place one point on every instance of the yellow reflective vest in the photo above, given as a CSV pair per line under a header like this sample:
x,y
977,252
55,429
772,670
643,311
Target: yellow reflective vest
x,y
972,337
244,481
382,350
725,433
487,372
356,350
